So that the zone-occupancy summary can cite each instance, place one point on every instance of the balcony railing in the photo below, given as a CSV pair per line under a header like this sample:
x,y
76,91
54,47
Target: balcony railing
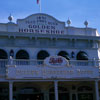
x,y
27,69
70,63
3,63
34,62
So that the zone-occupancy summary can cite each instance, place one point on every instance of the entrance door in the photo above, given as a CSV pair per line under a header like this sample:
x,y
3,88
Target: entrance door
x,y
30,97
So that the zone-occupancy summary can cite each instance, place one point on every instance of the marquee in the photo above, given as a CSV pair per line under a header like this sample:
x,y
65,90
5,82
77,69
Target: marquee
x,y
53,67
44,72
42,24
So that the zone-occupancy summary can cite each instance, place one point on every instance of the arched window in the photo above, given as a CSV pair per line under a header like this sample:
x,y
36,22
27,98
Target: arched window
x,y
82,56
42,55
3,54
64,54
22,54
23,57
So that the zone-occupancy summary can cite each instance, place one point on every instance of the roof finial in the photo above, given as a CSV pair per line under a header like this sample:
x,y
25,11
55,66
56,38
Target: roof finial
x,y
68,21
86,23
10,18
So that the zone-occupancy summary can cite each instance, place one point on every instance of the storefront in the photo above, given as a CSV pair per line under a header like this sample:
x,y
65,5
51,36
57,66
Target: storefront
x,y
43,59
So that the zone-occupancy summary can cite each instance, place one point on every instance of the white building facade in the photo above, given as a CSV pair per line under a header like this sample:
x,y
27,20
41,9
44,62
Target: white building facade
x,y
43,59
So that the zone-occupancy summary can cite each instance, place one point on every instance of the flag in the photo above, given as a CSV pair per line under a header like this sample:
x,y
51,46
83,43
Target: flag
x,y
38,1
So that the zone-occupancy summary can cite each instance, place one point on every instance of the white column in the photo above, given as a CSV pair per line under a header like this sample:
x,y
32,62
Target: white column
x,y
56,89
10,90
96,90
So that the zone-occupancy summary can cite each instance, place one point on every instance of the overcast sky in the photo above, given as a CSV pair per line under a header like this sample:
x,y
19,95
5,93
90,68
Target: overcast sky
x,y
77,10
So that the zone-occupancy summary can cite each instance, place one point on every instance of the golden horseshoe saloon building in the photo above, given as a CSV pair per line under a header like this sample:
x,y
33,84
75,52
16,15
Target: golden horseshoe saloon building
x,y
41,58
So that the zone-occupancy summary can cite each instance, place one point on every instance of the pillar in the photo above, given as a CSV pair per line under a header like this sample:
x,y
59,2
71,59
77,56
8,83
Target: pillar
x,y
10,90
96,90
56,89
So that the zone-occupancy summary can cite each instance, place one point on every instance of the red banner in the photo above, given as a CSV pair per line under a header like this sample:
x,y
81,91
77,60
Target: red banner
x,y
37,1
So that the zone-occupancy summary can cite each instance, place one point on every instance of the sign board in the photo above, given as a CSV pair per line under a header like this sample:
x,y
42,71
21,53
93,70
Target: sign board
x,y
56,61
47,72
42,24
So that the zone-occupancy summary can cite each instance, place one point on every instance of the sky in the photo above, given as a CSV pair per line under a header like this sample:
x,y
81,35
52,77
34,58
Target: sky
x,y
76,10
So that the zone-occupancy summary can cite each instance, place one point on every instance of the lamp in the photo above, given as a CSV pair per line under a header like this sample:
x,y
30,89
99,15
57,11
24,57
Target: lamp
x,y
72,54
11,53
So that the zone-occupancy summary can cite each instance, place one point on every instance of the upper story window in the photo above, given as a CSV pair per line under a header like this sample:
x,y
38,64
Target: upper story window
x,y
82,56
22,54
3,54
64,54
42,55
